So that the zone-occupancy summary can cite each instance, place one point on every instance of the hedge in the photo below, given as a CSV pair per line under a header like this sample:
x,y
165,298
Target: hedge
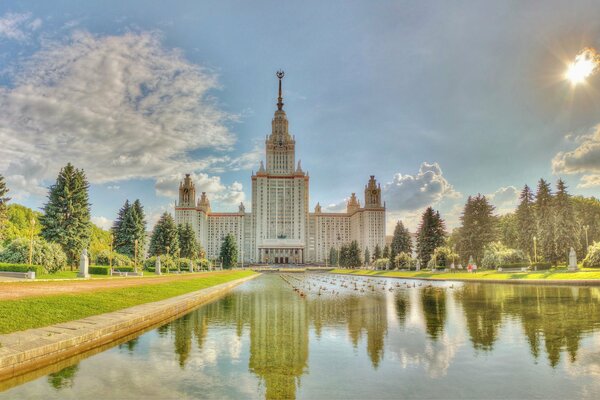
x,y
7,267
105,270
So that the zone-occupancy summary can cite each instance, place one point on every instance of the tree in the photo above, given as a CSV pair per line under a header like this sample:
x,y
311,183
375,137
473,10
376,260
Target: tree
x,y
544,213
164,238
228,253
343,256
66,218
566,227
3,207
587,212
386,252
367,256
187,242
354,256
377,253
99,241
333,256
18,223
508,230
431,234
526,221
401,241
129,227
479,227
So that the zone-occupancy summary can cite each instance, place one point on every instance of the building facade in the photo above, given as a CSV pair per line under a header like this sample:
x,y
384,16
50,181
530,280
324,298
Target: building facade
x,y
280,229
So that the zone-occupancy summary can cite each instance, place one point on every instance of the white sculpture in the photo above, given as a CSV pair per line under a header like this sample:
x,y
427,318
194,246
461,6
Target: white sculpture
x,y
157,266
572,260
84,265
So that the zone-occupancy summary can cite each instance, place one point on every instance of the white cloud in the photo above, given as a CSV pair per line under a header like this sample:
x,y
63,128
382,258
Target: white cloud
x,y
17,26
413,192
584,159
102,222
218,193
336,207
120,107
504,199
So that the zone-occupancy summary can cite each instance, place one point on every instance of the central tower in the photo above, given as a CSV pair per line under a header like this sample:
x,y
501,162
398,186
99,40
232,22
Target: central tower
x,y
280,145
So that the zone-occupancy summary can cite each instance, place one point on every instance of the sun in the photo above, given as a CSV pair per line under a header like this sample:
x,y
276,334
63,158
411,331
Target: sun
x,y
584,65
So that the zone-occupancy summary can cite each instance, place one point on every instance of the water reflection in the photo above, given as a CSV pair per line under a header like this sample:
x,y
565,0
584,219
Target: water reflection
x,y
265,339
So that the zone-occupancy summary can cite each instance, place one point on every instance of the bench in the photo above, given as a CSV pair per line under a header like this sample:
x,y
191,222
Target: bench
x,y
126,273
19,275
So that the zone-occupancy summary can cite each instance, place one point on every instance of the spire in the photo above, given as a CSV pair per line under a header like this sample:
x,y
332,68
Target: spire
x,y
280,74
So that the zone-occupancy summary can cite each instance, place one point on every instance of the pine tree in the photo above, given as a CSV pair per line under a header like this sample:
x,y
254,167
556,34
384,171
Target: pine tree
x,y
566,227
333,256
367,256
386,251
431,234
187,242
3,208
479,227
139,218
129,226
228,253
526,222
164,240
401,241
354,256
66,218
344,258
377,253
544,214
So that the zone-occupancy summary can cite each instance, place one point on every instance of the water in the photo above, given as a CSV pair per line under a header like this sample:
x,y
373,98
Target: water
x,y
437,340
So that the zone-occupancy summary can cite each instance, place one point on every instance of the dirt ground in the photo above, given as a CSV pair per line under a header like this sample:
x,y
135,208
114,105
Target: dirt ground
x,y
18,290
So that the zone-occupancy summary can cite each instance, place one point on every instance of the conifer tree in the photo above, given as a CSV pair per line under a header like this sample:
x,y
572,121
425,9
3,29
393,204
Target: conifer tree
x,y
129,226
526,221
386,252
164,237
479,227
401,241
344,258
431,234
3,208
377,253
354,256
545,220
333,256
66,218
367,255
566,227
229,255
139,218
187,242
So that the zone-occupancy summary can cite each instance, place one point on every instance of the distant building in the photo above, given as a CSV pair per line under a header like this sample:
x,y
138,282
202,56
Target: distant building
x,y
281,229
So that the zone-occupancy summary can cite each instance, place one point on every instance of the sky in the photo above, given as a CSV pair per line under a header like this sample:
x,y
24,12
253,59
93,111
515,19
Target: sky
x,y
439,100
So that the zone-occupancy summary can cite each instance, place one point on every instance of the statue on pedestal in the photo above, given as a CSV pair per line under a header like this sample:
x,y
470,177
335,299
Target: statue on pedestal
x,y
572,260
84,265
157,266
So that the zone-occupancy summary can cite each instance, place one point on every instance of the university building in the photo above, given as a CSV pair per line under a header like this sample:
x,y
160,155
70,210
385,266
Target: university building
x,y
280,228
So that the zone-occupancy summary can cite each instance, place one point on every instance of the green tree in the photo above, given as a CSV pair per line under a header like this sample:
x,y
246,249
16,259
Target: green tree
x,y
566,226
228,253
343,256
526,222
19,220
377,253
66,218
587,213
164,238
431,234
354,255
367,256
129,227
4,199
479,227
99,241
508,230
333,256
386,252
401,241
545,219
187,242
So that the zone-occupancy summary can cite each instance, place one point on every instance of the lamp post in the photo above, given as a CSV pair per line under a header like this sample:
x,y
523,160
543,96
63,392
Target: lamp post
x,y
32,222
110,253
135,252
535,249
587,244
167,265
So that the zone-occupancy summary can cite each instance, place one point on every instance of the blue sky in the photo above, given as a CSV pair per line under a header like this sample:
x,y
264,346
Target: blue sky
x,y
439,100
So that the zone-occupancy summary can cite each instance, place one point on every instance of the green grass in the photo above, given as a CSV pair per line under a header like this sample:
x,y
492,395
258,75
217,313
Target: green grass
x,y
584,274
35,312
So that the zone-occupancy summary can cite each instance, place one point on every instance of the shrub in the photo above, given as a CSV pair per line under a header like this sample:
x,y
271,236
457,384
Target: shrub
x,y
205,263
165,262
118,260
184,264
48,255
539,266
38,269
105,269
405,261
497,255
592,259
442,256
381,263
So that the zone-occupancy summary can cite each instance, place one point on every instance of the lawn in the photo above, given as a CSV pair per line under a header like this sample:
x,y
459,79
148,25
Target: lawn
x,y
544,275
35,312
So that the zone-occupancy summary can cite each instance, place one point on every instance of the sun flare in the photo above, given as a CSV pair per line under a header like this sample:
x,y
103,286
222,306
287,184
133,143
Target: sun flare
x,y
585,64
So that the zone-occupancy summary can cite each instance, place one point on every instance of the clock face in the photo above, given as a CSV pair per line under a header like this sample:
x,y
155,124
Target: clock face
x,y
374,191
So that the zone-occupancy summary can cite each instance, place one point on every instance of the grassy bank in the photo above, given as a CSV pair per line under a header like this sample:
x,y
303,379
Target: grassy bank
x,y
588,274
35,312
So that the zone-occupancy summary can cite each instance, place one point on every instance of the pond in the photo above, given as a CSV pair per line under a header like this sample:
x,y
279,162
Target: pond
x,y
322,336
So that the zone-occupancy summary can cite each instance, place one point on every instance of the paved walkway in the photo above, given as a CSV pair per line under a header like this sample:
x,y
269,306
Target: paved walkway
x,y
18,290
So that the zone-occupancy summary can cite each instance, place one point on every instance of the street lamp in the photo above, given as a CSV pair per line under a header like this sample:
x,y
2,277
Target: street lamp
x,y
32,222
587,244
535,249
135,251
168,248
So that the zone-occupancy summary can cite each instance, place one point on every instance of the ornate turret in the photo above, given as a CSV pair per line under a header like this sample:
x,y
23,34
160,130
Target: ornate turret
x,y
242,208
353,204
372,194
187,192
203,203
318,208
280,145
